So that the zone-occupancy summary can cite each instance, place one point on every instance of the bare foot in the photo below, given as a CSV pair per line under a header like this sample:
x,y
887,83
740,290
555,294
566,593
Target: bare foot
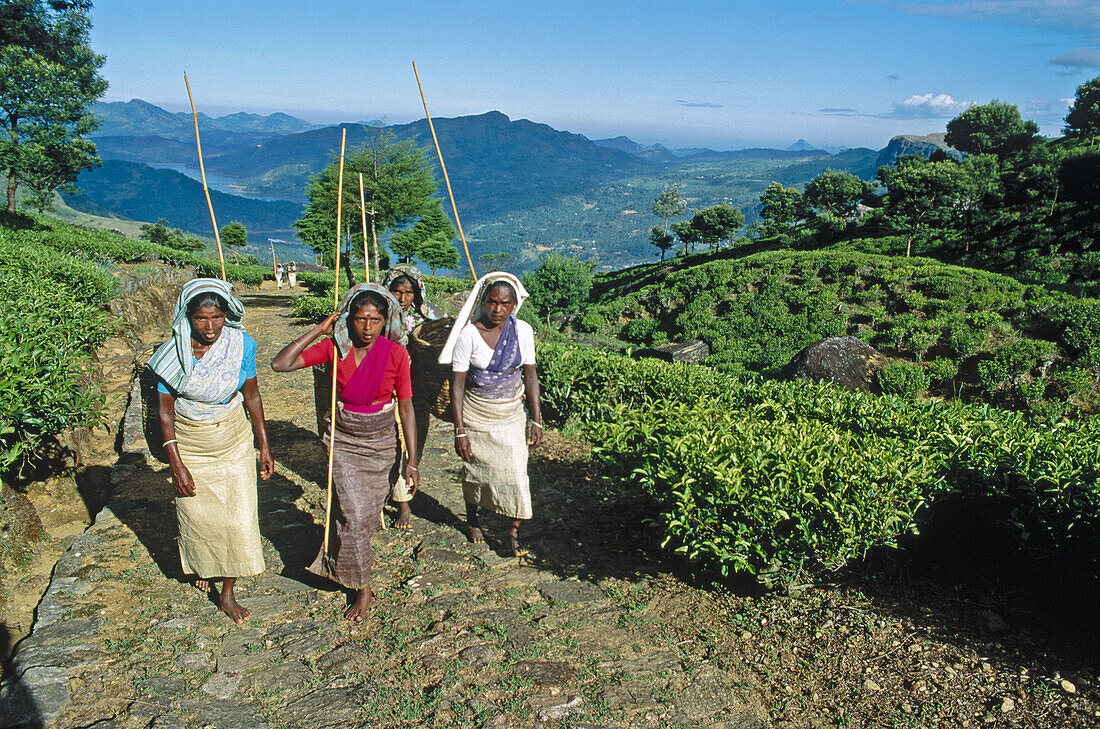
x,y
203,585
229,605
404,516
474,534
358,609
517,549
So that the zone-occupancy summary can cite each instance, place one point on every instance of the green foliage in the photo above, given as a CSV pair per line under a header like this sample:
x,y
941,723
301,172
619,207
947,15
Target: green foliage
x,y
942,372
782,208
398,183
559,285
661,239
837,193
234,235
160,234
776,477
1013,360
49,79
993,128
1083,119
52,315
903,379
314,308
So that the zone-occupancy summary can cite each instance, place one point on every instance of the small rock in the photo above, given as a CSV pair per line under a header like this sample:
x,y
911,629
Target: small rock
x,y
1007,705
556,707
221,685
871,685
479,655
915,648
570,592
192,662
994,623
1068,687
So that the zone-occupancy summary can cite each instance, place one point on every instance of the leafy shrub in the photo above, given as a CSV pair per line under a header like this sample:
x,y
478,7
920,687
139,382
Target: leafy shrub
x,y
314,308
1013,360
691,438
904,379
593,319
639,330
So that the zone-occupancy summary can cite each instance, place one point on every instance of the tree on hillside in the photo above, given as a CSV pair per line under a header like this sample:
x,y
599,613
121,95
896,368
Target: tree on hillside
x,y
438,252
559,285
494,261
689,235
836,193
710,226
993,128
661,238
160,234
782,209
234,235
49,78
668,205
399,186
1083,119
433,225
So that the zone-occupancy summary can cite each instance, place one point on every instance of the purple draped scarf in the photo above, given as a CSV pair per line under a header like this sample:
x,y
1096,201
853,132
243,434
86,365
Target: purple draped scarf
x,y
361,391
501,379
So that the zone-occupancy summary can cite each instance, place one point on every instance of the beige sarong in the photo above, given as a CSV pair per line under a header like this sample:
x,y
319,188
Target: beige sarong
x,y
219,530
496,475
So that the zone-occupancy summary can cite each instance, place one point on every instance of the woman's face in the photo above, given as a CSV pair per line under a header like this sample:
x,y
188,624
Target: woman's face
x,y
365,325
404,293
498,305
206,324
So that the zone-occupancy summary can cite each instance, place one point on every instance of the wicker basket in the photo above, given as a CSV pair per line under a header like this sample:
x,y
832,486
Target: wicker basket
x,y
431,380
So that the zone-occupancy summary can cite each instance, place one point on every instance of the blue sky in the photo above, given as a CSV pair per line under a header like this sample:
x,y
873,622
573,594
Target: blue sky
x,y
722,74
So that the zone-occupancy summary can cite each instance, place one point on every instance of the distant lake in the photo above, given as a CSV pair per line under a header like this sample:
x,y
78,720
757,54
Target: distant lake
x,y
214,180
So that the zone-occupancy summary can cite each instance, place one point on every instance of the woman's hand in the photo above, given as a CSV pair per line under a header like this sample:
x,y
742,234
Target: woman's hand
x,y
329,323
267,463
412,478
181,479
536,435
462,446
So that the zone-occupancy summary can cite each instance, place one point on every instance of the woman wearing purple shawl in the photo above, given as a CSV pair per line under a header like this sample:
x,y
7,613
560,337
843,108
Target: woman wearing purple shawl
x,y
492,356
372,381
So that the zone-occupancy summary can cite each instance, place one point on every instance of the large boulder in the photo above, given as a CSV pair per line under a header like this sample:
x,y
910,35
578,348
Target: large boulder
x,y
692,352
844,361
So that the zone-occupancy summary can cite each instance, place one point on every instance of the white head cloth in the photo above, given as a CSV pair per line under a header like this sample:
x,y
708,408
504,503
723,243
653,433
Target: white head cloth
x,y
471,310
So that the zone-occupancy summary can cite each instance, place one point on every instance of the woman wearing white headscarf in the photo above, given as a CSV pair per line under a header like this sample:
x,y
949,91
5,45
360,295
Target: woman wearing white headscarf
x,y
492,357
207,371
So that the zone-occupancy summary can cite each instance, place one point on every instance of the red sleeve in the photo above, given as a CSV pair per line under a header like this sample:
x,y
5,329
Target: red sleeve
x,y
319,353
402,380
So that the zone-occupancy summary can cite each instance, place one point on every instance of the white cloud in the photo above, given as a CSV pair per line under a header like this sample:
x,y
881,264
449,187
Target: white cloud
x,y
929,106
1078,58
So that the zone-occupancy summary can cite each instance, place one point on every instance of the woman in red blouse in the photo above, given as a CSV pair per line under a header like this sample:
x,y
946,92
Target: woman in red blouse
x,y
372,370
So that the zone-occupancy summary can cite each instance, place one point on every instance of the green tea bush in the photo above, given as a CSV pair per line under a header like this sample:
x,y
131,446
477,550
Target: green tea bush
x,y
721,459
52,317
904,379
314,308
1014,359
639,330
943,371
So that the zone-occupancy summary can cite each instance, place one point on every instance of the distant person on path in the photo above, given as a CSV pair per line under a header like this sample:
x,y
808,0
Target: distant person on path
x,y
292,274
406,284
492,356
279,275
207,371
373,369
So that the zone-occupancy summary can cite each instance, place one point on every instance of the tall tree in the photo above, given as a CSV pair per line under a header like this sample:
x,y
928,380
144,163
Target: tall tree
x,y
49,78
661,238
438,252
837,193
559,285
782,208
399,185
433,225
234,235
1083,119
668,205
993,128
716,224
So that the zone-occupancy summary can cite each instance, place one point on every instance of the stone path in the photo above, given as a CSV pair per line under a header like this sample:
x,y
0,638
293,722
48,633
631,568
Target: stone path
x,y
459,636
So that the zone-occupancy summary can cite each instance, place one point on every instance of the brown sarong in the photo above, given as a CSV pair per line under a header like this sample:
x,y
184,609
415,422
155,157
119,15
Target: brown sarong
x,y
364,467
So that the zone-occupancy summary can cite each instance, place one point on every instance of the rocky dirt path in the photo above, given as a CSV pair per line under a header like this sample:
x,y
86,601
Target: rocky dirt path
x,y
591,631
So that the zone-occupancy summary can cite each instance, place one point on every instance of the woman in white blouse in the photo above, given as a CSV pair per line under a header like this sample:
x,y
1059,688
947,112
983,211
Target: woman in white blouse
x,y
492,357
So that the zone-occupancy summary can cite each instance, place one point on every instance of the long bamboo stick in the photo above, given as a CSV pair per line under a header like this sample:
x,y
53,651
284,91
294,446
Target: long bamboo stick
x,y
363,214
274,265
443,167
335,349
202,170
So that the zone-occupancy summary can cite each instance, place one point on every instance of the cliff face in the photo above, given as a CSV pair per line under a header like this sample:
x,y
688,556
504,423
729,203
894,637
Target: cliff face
x,y
906,144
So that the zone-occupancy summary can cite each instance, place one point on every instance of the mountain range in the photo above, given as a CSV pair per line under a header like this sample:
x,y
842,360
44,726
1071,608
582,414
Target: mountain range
x,y
521,187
